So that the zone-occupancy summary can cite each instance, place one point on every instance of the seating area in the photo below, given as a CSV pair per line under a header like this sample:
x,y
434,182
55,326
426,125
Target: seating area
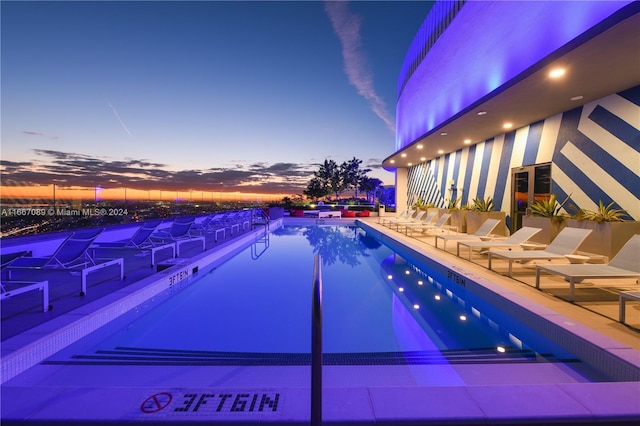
x,y
403,216
415,219
32,283
535,264
72,255
139,242
427,220
179,233
326,213
564,244
484,231
515,240
439,226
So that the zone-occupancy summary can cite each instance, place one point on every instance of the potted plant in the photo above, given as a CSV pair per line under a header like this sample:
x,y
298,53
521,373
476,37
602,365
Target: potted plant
x,y
482,209
549,216
610,229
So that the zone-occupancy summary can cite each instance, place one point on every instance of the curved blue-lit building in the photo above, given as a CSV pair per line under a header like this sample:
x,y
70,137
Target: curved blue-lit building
x,y
518,100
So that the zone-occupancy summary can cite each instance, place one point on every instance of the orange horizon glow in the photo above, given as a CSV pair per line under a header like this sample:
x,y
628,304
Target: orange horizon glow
x,y
98,194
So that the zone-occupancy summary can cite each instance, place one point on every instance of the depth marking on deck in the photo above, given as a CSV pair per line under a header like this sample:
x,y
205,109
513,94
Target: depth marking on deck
x,y
209,403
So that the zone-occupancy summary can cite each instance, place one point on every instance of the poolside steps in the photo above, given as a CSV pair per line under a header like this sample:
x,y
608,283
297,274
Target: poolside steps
x,y
173,357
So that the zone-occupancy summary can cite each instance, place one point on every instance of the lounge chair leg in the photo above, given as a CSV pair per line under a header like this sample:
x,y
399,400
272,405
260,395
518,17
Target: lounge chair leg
x,y
571,287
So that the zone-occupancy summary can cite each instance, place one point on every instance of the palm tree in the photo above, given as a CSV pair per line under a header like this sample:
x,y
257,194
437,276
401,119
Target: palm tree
x,y
370,186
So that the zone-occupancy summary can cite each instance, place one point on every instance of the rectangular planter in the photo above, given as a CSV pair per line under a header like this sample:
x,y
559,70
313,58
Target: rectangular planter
x,y
550,227
606,238
434,210
459,219
476,219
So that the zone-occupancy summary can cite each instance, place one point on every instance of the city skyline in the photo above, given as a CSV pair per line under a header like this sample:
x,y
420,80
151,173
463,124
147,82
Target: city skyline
x,y
200,97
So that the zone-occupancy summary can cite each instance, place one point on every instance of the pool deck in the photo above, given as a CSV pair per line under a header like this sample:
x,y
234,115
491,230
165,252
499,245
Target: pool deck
x,y
29,335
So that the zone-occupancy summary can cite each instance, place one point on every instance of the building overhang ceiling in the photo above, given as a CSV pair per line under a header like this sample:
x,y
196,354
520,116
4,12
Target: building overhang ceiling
x,y
605,64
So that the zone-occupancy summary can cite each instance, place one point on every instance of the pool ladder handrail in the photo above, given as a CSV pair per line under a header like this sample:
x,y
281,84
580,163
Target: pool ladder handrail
x,y
316,344
260,217
263,219
255,254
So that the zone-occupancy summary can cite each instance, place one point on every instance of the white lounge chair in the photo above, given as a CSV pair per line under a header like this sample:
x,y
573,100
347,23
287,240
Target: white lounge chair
x,y
179,233
140,241
625,264
566,242
439,225
484,230
71,255
623,297
9,289
521,236
425,221
405,215
412,220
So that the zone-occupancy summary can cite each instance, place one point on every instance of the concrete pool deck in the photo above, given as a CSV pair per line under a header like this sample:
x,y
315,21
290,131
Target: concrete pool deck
x,y
23,399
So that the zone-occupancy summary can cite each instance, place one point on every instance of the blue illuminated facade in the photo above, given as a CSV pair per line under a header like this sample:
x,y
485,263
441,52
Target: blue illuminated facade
x,y
468,50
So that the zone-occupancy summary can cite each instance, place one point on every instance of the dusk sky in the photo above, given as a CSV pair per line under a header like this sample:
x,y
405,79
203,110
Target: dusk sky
x,y
204,96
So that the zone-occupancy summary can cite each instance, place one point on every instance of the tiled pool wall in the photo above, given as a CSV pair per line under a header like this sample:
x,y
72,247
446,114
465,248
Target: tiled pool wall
x,y
22,352
612,358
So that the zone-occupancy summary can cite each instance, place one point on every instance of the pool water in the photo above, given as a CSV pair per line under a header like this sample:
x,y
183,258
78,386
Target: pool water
x,y
379,310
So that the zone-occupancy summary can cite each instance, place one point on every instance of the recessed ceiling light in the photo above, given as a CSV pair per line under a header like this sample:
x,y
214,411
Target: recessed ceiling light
x,y
440,151
419,146
507,125
410,164
443,134
392,161
467,141
482,112
403,155
557,73
577,98
423,158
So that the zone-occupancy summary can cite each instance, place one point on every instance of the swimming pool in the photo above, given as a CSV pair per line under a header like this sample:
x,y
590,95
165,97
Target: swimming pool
x,y
378,310
243,325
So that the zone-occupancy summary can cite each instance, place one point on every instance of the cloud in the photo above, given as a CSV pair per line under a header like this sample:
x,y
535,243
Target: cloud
x,y
347,27
76,169
33,133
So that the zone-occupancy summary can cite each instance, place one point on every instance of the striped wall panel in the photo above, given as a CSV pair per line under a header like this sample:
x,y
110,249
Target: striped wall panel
x,y
594,151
